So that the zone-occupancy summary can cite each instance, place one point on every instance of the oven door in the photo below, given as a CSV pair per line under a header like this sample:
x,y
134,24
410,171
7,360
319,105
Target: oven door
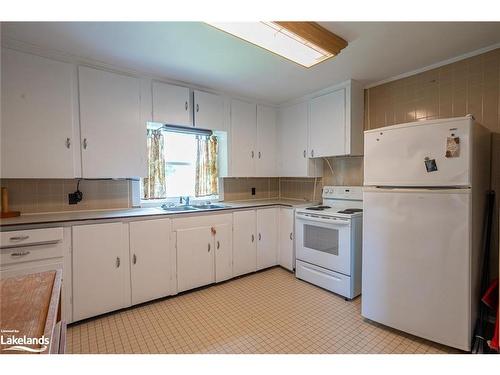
x,y
324,242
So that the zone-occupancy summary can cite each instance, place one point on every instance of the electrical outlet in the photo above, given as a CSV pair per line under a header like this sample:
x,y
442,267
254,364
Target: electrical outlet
x,y
253,191
74,198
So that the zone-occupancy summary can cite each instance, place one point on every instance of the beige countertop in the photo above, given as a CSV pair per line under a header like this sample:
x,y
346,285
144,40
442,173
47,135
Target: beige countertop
x,y
64,217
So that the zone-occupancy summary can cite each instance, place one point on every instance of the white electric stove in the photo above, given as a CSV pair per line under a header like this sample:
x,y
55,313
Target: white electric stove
x,y
328,241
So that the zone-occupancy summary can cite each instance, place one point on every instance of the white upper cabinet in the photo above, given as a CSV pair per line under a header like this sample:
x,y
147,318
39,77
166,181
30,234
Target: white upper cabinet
x,y
208,111
112,134
336,122
38,117
266,164
243,138
292,143
171,104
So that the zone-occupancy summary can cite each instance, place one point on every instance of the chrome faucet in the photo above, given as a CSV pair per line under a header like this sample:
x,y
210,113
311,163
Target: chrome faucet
x,y
185,199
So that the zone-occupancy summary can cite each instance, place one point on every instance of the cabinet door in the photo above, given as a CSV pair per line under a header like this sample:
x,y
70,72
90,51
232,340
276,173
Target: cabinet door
x,y
37,139
208,111
195,258
101,273
243,133
293,141
151,260
267,237
223,243
327,125
266,142
113,136
244,243
286,238
171,104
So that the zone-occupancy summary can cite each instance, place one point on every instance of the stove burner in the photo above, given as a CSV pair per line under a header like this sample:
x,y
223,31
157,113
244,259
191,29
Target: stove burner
x,y
350,211
318,208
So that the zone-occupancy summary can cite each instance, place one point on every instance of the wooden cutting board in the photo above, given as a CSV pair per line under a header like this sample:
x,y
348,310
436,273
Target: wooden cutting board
x,y
29,306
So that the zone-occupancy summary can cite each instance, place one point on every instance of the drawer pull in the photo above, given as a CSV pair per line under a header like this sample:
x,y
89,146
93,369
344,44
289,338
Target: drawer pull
x,y
134,259
218,245
21,254
19,238
291,235
118,262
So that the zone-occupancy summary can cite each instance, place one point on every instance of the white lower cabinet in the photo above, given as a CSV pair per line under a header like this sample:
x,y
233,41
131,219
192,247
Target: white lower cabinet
x,y
101,273
244,242
267,237
286,238
223,252
204,250
195,259
116,265
152,260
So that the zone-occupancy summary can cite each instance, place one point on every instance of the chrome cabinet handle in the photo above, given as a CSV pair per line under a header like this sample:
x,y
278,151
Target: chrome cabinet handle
x,y
305,153
312,153
218,245
85,143
197,108
19,238
291,235
134,259
118,262
186,106
68,143
253,154
20,254
260,237
209,247
253,238
259,154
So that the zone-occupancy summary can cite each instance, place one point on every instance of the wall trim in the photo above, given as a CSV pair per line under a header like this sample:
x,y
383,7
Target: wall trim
x,y
435,65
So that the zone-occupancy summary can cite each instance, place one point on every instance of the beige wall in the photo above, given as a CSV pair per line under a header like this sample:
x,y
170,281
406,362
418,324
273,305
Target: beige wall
x,y
470,86
47,195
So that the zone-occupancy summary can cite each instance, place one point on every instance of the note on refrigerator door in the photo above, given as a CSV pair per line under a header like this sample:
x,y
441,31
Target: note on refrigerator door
x,y
452,147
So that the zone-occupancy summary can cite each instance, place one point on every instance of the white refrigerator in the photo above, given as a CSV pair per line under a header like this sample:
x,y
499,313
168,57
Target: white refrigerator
x,y
423,208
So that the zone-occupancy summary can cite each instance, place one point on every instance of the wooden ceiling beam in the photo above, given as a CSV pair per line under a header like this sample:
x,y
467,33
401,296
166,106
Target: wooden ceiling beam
x,y
316,34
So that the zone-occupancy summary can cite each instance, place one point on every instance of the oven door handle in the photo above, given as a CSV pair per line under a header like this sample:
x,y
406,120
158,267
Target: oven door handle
x,y
321,220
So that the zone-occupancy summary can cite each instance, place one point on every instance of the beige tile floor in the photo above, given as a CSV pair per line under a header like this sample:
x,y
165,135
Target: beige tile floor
x,y
266,312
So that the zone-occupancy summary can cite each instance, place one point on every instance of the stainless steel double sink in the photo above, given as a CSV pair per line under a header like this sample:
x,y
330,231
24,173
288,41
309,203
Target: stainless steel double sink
x,y
197,207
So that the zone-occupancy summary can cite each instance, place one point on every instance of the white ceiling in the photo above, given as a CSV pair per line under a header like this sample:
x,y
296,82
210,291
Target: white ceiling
x,y
196,53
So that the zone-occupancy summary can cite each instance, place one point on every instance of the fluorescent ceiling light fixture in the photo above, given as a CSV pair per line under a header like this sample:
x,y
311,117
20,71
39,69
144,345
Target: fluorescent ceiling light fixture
x,y
301,42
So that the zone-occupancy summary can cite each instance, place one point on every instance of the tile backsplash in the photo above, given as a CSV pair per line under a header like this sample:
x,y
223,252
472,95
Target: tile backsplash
x,y
240,188
51,195
469,86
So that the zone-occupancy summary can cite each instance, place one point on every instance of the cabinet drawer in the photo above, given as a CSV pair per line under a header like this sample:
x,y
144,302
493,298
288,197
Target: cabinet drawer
x,y
15,255
332,281
30,237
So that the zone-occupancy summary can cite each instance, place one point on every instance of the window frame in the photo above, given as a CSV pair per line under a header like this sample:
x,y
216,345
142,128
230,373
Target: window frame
x,y
136,192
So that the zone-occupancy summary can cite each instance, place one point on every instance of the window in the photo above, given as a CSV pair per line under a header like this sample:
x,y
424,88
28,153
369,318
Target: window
x,y
181,161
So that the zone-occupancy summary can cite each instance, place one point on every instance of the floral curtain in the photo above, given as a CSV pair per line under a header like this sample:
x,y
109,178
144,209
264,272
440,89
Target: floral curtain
x,y
206,166
154,184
